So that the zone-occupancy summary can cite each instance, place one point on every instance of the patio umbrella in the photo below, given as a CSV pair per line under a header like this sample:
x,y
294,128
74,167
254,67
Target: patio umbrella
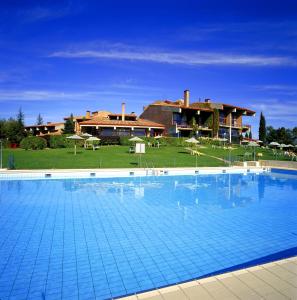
x,y
253,144
75,138
86,135
274,144
92,139
283,146
290,146
192,140
136,139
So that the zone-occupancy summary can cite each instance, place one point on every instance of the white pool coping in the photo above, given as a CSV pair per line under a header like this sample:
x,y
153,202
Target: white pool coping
x,y
112,173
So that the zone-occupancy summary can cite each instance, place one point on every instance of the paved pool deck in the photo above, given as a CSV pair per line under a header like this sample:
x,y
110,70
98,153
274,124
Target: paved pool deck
x,y
276,280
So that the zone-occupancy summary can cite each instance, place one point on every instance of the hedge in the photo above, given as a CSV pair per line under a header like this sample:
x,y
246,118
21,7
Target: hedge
x,y
33,143
61,141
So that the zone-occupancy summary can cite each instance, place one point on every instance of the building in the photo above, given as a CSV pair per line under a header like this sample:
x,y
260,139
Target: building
x,y
49,128
181,118
104,123
172,118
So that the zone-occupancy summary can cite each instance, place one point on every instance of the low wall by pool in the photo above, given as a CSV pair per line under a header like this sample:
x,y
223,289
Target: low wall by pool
x,y
109,173
279,164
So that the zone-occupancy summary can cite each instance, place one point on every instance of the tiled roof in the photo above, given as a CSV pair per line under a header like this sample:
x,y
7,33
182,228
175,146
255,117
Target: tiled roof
x,y
180,104
126,115
107,122
241,108
203,106
45,125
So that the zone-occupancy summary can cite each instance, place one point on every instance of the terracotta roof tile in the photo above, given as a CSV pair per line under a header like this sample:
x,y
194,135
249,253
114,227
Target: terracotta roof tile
x,y
107,122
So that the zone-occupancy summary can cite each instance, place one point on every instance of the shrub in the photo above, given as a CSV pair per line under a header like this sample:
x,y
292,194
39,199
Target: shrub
x,y
61,141
57,141
33,142
110,140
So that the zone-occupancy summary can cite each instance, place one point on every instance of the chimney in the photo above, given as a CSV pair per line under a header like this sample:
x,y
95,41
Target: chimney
x,y
123,111
186,98
88,114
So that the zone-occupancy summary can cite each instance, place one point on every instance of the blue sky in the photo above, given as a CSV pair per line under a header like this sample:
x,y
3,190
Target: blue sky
x,y
58,57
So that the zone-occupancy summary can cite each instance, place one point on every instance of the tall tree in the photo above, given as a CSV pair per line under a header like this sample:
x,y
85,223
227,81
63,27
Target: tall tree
x,y
69,125
194,125
262,128
20,126
250,135
39,120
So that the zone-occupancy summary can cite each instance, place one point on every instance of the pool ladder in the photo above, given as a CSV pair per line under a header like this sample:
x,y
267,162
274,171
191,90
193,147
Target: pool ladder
x,y
150,171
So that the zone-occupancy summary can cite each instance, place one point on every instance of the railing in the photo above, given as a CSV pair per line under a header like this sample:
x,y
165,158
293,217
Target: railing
x,y
185,125
226,122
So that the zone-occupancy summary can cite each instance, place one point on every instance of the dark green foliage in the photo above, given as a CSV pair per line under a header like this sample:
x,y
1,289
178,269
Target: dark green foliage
x,y
281,135
39,120
209,121
216,123
11,163
165,141
2,128
194,125
61,141
262,128
250,135
14,131
33,143
69,125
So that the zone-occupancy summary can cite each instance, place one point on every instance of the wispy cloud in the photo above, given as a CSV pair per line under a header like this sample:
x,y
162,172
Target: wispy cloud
x,y
281,89
44,12
184,58
115,91
277,111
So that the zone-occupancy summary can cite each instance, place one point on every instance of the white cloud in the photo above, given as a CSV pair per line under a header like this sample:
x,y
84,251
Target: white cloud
x,y
186,58
277,110
115,91
289,90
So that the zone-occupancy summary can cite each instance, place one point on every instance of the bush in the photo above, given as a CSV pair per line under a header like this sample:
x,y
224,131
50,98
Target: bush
x,y
110,140
33,142
61,141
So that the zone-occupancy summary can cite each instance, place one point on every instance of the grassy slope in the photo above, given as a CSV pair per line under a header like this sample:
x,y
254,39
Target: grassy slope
x,y
106,157
118,157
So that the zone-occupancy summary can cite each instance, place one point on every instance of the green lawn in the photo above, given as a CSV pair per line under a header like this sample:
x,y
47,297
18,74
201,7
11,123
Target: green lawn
x,y
119,157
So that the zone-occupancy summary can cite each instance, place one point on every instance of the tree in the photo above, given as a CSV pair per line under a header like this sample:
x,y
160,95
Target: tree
x,y
20,128
262,128
39,120
194,125
271,135
12,131
250,135
2,128
69,125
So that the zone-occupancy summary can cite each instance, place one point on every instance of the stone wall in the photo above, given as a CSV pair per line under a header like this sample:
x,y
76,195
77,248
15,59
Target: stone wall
x,y
279,164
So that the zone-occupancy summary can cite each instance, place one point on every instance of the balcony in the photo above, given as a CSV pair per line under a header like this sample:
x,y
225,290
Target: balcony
x,y
226,122
185,126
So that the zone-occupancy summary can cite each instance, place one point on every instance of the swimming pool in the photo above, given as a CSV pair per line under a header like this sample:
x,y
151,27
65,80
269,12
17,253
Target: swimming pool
x,y
110,237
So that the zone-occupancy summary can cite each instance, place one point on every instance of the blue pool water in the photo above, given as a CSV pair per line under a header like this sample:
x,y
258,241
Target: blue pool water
x,y
103,238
